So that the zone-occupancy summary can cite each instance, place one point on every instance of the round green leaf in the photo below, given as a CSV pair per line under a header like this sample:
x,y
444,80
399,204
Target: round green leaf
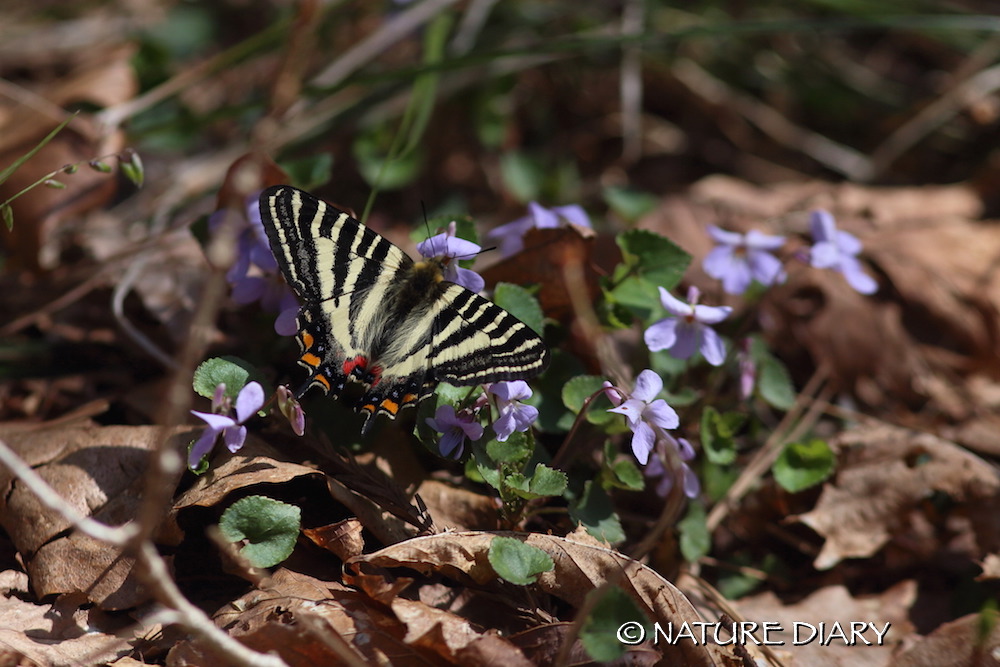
x,y
804,464
517,562
268,527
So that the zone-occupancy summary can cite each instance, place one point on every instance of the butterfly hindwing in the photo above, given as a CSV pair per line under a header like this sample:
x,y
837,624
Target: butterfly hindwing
x,y
372,315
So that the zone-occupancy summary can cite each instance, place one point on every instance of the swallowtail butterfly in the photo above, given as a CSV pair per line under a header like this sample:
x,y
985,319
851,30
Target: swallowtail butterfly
x,y
370,314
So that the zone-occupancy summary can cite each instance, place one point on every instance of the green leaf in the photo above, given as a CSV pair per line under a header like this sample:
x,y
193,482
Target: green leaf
x,y
717,433
522,175
100,166
578,389
804,464
627,475
596,513
629,204
599,632
640,296
234,372
516,449
8,216
517,562
268,527
546,481
520,303
16,164
695,540
657,259
775,384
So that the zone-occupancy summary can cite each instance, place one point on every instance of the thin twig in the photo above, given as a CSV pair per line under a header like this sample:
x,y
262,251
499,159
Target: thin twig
x,y
630,86
786,431
834,156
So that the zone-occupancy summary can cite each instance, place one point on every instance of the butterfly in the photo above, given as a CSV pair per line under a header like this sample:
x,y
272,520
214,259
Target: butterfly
x,y
372,315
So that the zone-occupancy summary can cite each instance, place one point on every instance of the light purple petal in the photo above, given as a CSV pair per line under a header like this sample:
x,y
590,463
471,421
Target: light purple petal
x,y
691,485
688,339
823,226
248,401
234,436
661,414
824,255
611,391
542,217
725,237
711,314
202,446
685,449
661,335
642,442
632,409
647,386
756,240
468,279
214,421
504,425
247,290
719,261
765,268
856,277
848,243
712,347
673,305
472,430
515,390
573,214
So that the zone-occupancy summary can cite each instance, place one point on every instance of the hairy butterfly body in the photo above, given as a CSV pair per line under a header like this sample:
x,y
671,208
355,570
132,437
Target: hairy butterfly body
x,y
372,315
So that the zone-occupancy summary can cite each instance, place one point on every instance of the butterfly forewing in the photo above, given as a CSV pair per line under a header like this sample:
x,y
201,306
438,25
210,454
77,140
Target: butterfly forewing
x,y
371,314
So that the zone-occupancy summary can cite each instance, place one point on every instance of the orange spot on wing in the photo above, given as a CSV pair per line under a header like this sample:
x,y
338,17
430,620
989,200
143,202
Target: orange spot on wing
x,y
307,339
410,398
389,406
310,359
321,379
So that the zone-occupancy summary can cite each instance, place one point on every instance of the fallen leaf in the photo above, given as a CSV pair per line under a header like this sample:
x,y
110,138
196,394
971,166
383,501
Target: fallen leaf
x,y
970,640
97,470
884,475
888,612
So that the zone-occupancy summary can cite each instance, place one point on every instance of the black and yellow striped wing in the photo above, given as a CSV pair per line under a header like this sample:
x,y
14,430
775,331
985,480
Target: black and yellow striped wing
x,y
370,314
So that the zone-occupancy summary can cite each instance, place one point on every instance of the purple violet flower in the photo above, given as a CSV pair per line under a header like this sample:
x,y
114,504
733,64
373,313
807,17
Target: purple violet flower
x,y
656,469
254,274
739,259
510,236
643,413
687,330
838,250
514,415
234,433
449,248
748,369
454,429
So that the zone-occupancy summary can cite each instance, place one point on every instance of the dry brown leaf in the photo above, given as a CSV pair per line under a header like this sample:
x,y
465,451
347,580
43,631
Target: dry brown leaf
x,y
884,476
60,633
578,569
458,509
956,644
309,622
99,471
835,605
541,645
101,76
342,538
